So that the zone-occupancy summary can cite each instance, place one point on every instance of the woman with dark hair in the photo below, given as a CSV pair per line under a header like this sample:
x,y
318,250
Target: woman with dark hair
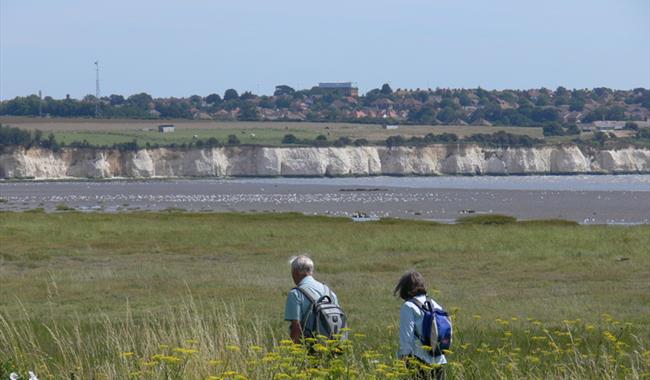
x,y
412,289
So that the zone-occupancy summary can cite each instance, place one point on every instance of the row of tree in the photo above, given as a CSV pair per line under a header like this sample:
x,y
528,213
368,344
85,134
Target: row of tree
x,y
498,139
10,136
439,106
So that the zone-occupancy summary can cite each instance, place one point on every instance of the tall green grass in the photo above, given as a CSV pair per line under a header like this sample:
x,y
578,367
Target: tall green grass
x,y
108,295
190,341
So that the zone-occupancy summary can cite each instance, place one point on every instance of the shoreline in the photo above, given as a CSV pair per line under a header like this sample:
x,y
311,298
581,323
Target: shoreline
x,y
234,177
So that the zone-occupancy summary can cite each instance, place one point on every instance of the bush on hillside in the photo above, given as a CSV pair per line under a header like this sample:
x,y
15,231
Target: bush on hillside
x,y
490,219
549,222
233,140
289,139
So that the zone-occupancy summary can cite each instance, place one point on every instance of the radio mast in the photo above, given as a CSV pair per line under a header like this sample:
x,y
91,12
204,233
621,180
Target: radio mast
x,y
97,112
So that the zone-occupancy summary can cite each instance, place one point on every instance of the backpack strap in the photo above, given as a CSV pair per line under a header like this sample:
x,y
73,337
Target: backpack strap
x,y
327,291
314,297
307,330
416,303
307,293
328,294
426,306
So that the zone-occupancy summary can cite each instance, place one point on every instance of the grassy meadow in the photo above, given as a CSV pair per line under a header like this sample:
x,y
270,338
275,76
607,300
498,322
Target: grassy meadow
x,y
175,295
108,132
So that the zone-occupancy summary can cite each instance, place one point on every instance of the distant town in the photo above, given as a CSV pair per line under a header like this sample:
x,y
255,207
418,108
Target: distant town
x,y
602,108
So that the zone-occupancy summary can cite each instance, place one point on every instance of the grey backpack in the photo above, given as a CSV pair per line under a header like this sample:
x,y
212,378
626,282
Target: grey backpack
x,y
325,317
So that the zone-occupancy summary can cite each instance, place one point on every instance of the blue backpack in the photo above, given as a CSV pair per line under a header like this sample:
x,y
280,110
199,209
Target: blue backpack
x,y
436,327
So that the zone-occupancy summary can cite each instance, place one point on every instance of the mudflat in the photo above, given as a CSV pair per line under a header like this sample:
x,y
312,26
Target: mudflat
x,y
591,200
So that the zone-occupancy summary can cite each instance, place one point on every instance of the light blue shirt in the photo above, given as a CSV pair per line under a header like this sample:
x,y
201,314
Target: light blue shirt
x,y
410,327
298,306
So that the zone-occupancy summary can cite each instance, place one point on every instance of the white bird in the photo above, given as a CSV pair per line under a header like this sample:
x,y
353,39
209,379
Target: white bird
x,y
32,376
13,376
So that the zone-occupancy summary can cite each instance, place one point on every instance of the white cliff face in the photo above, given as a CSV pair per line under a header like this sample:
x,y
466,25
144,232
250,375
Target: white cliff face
x,y
316,161
325,161
33,163
495,166
89,163
465,161
139,164
568,160
522,161
624,160
412,161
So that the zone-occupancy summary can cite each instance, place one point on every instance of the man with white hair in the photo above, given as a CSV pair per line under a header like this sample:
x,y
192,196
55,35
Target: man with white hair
x,y
298,310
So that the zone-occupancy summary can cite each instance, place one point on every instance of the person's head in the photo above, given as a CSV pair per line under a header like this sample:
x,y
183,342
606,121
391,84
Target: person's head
x,y
301,267
411,284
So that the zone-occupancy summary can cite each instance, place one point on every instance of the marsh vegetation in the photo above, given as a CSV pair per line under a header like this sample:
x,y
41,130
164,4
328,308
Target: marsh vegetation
x,y
200,295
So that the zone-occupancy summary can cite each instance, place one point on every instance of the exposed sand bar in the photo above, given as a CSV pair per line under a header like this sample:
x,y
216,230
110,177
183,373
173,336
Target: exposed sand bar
x,y
586,199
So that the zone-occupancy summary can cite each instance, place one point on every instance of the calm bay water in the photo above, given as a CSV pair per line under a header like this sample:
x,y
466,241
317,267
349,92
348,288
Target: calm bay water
x,y
622,199
558,183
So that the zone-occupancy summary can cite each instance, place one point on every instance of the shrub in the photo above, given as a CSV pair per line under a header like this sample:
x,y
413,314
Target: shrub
x,y
63,207
173,210
321,140
37,210
395,140
343,141
643,133
490,219
128,146
289,139
233,140
81,144
15,136
572,129
553,130
212,142
502,139
549,222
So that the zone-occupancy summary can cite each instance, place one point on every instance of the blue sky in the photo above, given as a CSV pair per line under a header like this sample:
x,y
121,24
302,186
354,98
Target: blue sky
x,y
185,47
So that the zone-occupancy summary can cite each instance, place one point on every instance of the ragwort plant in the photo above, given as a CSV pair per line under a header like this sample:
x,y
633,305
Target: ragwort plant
x,y
188,342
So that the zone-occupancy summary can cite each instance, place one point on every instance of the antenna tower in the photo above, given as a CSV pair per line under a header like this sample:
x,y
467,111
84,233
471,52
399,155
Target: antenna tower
x,y
40,104
97,89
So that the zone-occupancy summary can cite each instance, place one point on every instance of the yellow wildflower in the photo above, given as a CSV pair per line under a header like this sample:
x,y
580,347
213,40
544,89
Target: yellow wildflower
x,y
185,351
319,348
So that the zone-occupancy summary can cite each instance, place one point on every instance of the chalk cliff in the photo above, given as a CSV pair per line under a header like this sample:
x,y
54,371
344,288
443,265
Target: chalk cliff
x,y
326,161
